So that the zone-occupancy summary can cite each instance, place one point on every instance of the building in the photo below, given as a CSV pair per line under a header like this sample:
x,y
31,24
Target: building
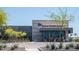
x,y
50,30
46,30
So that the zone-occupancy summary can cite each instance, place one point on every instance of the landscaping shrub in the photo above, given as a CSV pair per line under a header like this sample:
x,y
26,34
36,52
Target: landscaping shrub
x,y
76,40
11,32
71,45
52,46
2,41
67,47
4,46
47,46
77,46
14,47
56,48
60,46
71,39
1,47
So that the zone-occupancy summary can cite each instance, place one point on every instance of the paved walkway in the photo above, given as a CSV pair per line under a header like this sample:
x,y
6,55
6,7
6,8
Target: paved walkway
x,y
33,46
29,46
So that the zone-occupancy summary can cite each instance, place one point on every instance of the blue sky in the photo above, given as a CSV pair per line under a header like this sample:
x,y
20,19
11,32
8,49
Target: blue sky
x,y
23,16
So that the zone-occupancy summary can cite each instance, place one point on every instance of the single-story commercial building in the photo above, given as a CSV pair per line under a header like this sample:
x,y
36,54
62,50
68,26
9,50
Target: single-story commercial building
x,y
50,30
46,30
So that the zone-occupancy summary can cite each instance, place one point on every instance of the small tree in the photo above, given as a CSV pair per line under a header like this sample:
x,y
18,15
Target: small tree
x,y
63,17
3,20
3,17
12,33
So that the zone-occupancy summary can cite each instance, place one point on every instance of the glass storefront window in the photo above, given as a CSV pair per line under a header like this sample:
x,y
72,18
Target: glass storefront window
x,y
52,34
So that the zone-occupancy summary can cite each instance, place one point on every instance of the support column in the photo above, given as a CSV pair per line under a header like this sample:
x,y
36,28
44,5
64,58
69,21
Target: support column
x,y
66,35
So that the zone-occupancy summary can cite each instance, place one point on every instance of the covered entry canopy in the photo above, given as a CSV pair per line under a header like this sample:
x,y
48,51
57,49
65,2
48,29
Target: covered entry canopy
x,y
70,30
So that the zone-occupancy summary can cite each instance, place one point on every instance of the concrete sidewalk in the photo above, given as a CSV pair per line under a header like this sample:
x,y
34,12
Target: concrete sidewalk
x,y
29,46
33,46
